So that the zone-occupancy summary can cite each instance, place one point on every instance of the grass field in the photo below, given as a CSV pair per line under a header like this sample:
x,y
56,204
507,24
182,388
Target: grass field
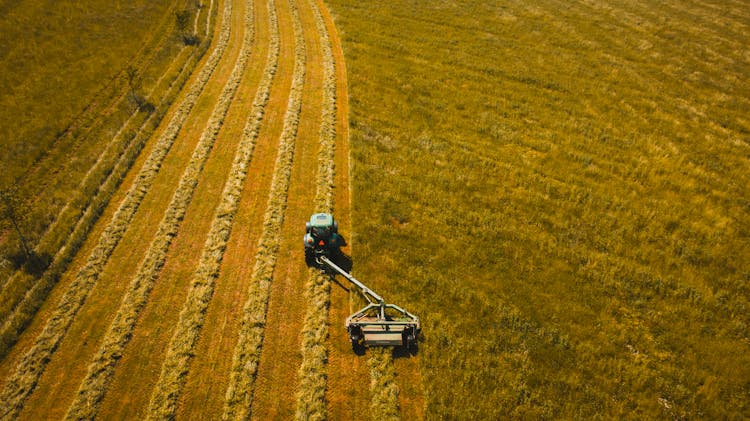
x,y
560,191
204,221
66,179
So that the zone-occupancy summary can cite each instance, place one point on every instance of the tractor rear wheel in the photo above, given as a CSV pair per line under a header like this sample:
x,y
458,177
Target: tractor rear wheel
x,y
309,257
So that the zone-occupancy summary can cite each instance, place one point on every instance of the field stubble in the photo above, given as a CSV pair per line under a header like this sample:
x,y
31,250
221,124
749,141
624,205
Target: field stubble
x,y
95,384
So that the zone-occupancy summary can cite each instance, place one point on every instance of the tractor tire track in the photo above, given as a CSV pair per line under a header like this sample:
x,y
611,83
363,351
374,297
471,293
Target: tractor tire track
x,y
22,382
238,397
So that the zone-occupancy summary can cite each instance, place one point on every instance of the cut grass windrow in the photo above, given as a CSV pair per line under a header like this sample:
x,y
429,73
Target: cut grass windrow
x,y
313,370
172,378
383,387
27,373
94,385
208,17
24,294
238,398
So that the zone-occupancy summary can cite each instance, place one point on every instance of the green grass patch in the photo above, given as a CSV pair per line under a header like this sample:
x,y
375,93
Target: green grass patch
x,y
559,190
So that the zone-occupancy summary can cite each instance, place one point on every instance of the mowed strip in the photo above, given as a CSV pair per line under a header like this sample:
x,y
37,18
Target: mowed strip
x,y
95,383
347,395
163,404
207,379
246,356
104,160
313,371
125,192
279,363
78,216
22,382
137,372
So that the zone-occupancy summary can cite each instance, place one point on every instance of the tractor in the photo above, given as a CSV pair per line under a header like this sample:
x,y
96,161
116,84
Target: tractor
x,y
321,238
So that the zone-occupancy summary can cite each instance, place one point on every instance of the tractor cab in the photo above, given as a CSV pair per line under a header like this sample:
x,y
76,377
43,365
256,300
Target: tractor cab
x,y
321,237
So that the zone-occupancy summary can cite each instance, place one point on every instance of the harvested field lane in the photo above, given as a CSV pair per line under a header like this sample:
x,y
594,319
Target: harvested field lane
x,y
209,373
247,353
144,320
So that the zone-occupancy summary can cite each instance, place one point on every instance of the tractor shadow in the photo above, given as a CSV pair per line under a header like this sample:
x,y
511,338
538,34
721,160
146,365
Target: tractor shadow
x,y
343,261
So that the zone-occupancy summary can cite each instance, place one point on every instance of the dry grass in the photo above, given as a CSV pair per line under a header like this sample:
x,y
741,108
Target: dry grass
x,y
383,388
22,382
23,294
58,183
100,371
312,373
238,399
577,165
171,381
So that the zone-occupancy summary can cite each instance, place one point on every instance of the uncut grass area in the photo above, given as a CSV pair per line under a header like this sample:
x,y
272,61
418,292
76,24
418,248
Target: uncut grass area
x,y
62,68
54,57
560,190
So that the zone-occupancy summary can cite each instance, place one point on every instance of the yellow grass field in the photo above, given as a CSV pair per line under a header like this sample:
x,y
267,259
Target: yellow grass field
x,y
559,190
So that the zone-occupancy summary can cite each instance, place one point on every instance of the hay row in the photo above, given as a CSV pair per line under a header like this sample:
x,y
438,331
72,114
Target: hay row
x,y
208,17
312,373
171,380
24,294
383,387
94,385
27,373
238,398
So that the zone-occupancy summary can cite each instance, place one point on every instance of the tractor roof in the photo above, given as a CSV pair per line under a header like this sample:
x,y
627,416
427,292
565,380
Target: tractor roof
x,y
321,220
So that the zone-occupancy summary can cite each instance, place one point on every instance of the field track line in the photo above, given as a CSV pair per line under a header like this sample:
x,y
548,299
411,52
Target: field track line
x,y
17,315
238,398
313,371
95,383
24,379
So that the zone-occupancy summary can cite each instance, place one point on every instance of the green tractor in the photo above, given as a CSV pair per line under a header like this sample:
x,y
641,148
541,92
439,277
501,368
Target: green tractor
x,y
321,238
